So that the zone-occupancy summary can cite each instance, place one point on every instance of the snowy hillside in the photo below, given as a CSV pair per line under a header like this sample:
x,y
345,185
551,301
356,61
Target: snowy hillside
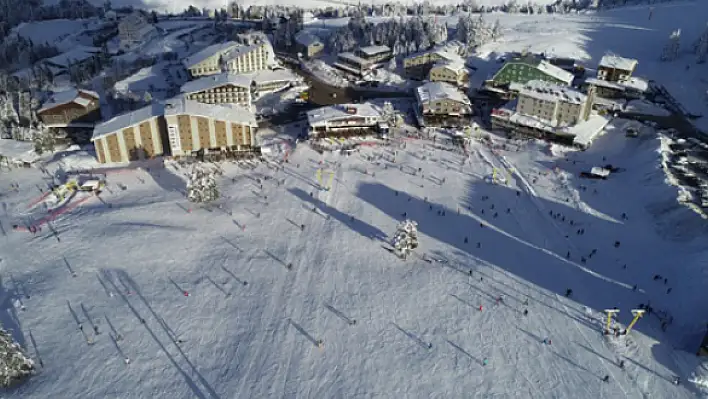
x,y
233,301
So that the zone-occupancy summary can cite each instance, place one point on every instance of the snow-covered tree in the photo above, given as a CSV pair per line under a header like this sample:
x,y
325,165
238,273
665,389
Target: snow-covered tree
x,y
392,65
701,47
496,30
44,141
671,49
703,38
15,366
202,185
406,238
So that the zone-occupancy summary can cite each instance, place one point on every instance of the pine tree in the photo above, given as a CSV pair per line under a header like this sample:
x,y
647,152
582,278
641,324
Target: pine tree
x,y
496,30
392,65
44,141
701,47
671,50
406,238
15,366
702,39
202,186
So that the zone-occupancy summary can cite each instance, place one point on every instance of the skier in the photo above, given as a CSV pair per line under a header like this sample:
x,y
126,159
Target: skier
x,y
606,378
567,256
677,380
568,292
526,312
485,361
621,364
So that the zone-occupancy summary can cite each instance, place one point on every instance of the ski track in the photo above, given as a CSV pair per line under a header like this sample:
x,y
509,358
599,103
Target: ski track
x,y
532,194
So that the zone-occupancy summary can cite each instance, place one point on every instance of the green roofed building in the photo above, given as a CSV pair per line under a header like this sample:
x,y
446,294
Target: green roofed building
x,y
525,69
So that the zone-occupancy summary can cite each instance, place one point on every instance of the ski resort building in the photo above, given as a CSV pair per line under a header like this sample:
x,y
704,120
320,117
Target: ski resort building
x,y
552,112
269,81
631,88
177,127
131,136
249,58
231,57
454,73
559,105
441,104
71,108
308,44
220,89
527,68
364,60
193,126
208,60
345,120
613,68
375,54
134,30
418,65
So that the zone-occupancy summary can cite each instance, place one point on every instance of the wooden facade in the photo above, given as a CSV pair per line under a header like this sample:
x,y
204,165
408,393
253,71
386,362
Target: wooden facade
x,y
140,141
209,133
73,113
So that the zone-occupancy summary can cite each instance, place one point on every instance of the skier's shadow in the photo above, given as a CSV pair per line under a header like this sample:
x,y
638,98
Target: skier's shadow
x,y
413,337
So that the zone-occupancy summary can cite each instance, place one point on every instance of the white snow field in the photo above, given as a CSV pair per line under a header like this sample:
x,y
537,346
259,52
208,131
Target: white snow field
x,y
390,328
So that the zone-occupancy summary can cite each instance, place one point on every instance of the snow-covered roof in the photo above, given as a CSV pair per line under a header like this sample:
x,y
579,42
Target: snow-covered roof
x,y
127,119
209,82
175,106
455,66
224,112
351,57
605,83
433,91
546,91
240,50
374,50
343,111
617,62
556,72
446,53
275,75
306,39
65,97
77,54
207,52
635,83
586,131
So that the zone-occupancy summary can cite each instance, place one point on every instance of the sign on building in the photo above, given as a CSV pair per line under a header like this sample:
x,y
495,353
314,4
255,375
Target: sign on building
x,y
175,143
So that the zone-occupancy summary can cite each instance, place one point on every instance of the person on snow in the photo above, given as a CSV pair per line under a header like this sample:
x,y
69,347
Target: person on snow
x,y
485,361
568,292
526,312
621,364
606,378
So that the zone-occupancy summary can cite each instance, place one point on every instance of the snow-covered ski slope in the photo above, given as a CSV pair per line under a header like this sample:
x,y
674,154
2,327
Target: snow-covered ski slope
x,y
390,328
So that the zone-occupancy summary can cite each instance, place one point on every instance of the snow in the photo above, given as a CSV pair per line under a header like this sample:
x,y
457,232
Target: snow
x,y
59,32
324,72
77,54
141,257
585,132
18,151
646,108
617,62
434,91
321,116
